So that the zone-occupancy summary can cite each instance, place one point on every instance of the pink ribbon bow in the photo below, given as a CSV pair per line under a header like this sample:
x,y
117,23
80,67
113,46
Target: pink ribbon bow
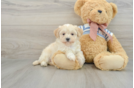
x,y
94,28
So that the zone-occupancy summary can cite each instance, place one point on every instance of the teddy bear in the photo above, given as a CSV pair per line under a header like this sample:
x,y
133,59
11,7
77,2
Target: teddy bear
x,y
99,45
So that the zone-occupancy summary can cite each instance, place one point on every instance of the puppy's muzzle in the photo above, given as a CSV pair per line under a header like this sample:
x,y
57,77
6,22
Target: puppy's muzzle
x,y
67,39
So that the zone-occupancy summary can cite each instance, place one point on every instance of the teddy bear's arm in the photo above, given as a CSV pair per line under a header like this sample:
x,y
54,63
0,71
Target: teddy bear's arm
x,y
116,47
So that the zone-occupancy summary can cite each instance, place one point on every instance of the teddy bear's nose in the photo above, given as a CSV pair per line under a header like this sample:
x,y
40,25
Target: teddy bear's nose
x,y
99,11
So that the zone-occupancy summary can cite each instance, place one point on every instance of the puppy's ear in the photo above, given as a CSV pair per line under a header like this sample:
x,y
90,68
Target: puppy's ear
x,y
56,32
79,32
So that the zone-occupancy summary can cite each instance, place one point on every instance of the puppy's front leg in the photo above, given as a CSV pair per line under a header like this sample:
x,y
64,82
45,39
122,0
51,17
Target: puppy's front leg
x,y
70,55
80,57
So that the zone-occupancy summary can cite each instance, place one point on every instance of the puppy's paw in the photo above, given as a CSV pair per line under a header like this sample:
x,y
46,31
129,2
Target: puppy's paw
x,y
36,62
81,59
43,63
71,56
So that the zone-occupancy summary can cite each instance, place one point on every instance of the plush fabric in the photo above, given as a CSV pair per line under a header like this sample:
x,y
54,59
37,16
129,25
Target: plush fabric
x,y
100,12
60,61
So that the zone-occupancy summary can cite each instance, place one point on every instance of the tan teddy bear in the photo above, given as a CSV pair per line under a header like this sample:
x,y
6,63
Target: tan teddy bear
x,y
97,14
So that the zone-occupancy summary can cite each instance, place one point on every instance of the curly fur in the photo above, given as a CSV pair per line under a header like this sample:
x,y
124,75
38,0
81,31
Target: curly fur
x,y
97,51
71,47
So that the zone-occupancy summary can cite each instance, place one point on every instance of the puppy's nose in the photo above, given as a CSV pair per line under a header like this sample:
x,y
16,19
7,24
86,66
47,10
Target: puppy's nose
x,y
67,39
99,11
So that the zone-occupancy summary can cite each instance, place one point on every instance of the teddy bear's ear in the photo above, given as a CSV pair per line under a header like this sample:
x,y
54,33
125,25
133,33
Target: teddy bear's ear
x,y
78,5
56,32
114,9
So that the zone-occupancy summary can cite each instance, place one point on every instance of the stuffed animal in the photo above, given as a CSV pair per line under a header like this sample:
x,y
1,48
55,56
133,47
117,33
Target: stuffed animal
x,y
96,15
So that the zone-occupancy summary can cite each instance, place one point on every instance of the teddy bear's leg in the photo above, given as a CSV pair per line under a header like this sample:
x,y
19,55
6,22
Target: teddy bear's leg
x,y
116,59
109,61
62,62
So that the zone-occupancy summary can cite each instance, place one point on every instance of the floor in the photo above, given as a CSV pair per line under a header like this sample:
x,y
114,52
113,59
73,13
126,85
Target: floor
x,y
27,28
19,73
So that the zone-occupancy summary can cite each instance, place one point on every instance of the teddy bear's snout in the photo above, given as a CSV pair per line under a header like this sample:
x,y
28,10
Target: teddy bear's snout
x,y
98,15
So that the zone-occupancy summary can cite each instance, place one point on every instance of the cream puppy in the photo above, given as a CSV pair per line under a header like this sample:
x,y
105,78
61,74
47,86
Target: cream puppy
x,y
67,40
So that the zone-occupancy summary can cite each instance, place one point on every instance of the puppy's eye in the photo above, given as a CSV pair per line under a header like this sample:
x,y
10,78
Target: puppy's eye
x,y
72,33
63,34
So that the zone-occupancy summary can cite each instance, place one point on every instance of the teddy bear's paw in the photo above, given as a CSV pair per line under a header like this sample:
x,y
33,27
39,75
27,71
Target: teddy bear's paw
x,y
71,56
111,62
43,63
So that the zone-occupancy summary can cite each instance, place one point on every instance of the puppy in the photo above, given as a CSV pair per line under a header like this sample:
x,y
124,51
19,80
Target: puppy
x,y
67,40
